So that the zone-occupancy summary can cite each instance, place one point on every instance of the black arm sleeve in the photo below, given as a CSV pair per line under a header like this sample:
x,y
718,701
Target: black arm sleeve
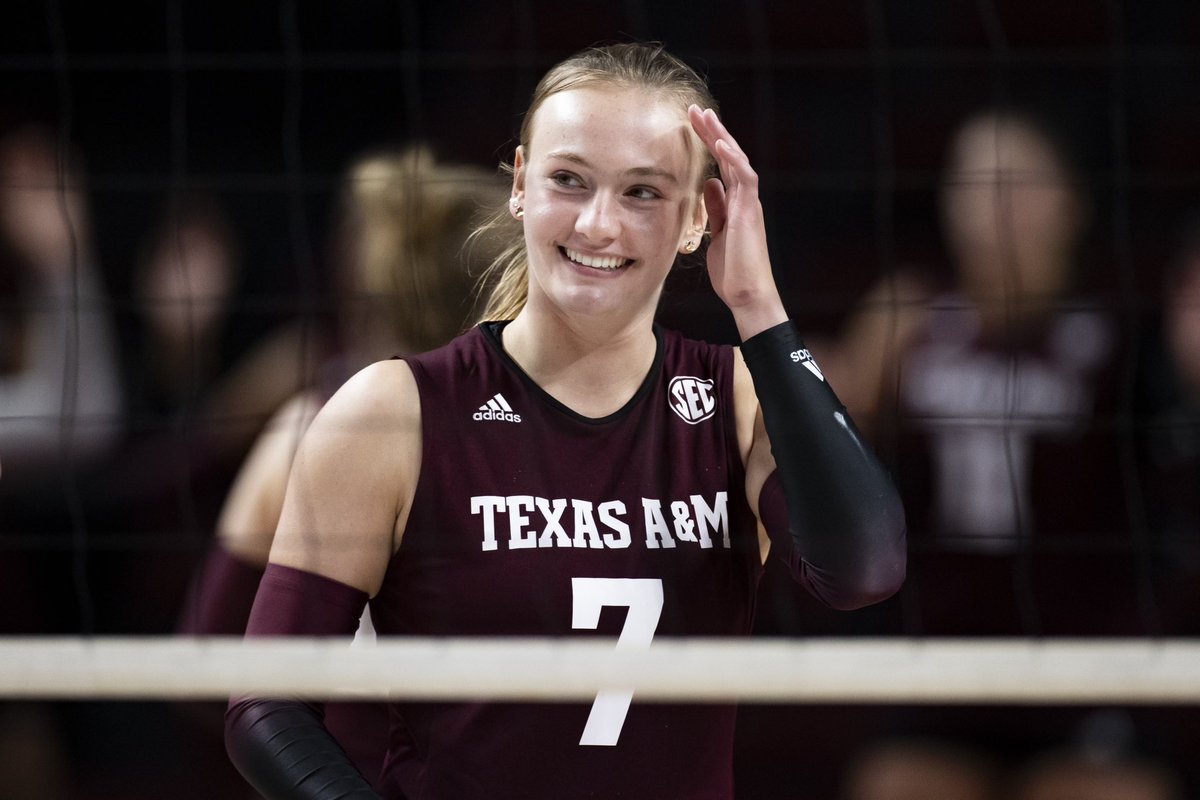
x,y
283,749
845,531
281,746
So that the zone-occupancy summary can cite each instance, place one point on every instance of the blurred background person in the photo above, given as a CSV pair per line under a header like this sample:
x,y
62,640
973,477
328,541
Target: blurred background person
x,y
988,385
184,282
1075,776
404,274
996,387
1168,412
910,768
1107,756
60,407
60,393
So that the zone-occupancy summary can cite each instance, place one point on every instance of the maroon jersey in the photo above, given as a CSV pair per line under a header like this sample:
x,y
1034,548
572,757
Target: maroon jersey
x,y
531,520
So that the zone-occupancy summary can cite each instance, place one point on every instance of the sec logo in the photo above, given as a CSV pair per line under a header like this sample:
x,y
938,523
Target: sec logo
x,y
691,398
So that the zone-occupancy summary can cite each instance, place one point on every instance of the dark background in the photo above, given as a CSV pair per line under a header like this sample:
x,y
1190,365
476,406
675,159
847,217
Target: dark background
x,y
844,107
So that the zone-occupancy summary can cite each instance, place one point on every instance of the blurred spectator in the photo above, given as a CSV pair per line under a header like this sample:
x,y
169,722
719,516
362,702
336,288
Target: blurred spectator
x,y
1075,775
160,491
60,396
1169,415
403,272
60,404
184,283
921,769
989,386
997,393
197,396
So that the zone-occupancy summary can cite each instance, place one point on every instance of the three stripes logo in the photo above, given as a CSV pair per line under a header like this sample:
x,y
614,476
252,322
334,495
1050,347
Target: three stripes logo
x,y
496,409
802,356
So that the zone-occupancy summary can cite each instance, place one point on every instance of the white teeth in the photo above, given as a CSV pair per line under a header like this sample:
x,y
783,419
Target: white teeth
x,y
596,262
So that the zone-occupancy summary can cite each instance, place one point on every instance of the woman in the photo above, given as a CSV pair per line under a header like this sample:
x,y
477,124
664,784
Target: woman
x,y
997,385
567,454
403,275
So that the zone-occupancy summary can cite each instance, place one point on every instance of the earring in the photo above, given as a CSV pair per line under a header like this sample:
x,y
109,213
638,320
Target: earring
x,y
517,211
689,246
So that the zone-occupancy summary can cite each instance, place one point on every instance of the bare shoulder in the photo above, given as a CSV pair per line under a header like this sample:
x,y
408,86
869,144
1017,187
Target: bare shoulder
x,y
353,479
375,417
384,389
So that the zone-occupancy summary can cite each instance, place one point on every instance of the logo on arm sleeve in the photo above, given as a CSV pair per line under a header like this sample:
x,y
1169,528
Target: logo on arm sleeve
x,y
802,356
693,399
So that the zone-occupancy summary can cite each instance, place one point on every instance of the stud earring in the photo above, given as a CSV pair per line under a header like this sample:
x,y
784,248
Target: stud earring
x,y
517,211
689,246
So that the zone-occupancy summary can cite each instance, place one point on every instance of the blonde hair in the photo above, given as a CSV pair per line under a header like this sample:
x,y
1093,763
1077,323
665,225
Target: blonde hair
x,y
412,216
646,66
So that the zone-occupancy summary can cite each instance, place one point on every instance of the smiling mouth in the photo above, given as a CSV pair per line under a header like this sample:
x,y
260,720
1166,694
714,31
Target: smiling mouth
x,y
602,263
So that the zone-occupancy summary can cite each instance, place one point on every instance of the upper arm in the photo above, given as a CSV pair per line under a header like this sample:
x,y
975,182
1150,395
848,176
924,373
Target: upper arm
x,y
353,479
753,444
251,510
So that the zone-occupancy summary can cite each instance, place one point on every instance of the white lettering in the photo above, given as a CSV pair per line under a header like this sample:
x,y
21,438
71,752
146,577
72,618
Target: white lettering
x,y
488,505
540,522
682,518
609,515
692,398
518,537
680,402
657,532
552,510
585,525
717,517
700,400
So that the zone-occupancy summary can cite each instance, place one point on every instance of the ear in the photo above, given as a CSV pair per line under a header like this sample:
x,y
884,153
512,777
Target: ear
x,y
519,174
695,231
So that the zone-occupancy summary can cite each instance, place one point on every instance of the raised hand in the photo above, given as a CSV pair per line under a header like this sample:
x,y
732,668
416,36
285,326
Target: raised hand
x,y
739,265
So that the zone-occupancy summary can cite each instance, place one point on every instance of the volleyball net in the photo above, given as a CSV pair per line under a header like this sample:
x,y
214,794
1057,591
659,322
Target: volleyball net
x,y
844,671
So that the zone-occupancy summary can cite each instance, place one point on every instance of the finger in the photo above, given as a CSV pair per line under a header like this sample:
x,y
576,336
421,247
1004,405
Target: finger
x,y
732,161
721,133
708,127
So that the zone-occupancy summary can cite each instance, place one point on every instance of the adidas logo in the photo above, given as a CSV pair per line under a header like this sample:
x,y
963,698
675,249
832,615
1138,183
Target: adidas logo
x,y
498,409
802,356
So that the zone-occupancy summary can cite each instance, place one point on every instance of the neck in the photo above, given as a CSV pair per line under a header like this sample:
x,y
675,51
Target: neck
x,y
591,367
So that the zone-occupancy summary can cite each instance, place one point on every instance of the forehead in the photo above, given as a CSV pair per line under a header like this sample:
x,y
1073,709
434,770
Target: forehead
x,y
990,145
621,128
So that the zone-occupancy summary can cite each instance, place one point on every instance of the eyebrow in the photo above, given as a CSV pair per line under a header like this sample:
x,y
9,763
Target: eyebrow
x,y
644,172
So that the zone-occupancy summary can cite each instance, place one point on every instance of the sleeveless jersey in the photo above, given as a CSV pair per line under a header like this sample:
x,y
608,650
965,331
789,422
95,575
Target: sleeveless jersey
x,y
527,518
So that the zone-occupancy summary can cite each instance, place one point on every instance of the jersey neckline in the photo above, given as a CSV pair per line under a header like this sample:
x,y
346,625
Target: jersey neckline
x,y
492,335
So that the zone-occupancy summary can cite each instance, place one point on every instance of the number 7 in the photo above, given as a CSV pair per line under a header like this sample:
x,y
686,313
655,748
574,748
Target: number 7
x,y
644,598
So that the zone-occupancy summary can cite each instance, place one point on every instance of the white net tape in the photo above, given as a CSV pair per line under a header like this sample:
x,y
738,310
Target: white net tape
x,y
1043,671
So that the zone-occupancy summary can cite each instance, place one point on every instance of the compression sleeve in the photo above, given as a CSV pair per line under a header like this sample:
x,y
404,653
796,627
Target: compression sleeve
x,y
280,745
842,532
221,595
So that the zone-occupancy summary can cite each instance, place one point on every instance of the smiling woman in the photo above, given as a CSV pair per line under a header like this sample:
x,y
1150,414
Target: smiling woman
x,y
609,182
527,475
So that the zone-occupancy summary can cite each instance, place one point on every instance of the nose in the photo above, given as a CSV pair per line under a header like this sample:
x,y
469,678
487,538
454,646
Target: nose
x,y
599,219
